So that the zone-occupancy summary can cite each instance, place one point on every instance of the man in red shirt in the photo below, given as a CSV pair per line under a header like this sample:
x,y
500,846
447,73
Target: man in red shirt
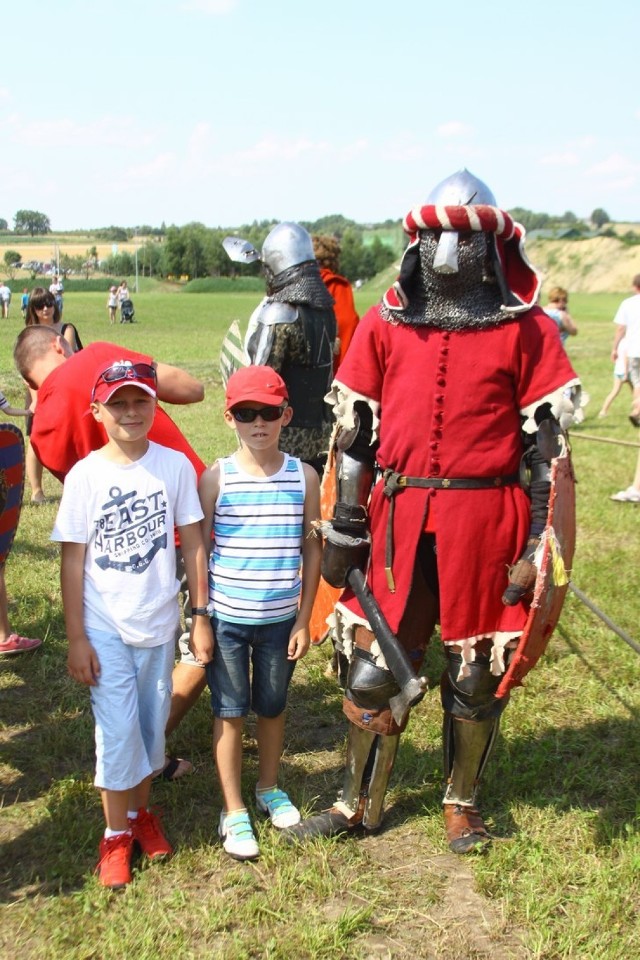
x,y
64,431
446,386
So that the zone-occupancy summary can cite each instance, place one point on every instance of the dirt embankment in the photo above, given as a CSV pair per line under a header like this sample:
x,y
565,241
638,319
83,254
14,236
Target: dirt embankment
x,y
599,265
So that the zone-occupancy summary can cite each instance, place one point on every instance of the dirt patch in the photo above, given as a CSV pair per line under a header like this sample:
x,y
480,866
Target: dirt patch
x,y
438,912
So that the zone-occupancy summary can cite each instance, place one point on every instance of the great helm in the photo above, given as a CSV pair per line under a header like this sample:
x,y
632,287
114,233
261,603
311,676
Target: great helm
x,y
285,246
460,190
463,203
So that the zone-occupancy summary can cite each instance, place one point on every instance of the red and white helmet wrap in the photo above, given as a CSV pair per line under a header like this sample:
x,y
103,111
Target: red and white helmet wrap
x,y
521,281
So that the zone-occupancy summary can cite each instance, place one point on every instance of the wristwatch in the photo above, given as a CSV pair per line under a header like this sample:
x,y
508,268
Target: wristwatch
x,y
202,611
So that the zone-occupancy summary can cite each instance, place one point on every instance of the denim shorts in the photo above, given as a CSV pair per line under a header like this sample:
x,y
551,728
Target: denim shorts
x,y
130,705
250,669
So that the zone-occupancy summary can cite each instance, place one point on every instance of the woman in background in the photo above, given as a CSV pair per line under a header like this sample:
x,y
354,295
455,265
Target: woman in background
x,y
42,308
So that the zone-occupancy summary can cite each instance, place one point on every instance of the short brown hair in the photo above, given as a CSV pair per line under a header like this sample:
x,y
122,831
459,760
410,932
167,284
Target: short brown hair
x,y
32,344
558,293
327,251
636,281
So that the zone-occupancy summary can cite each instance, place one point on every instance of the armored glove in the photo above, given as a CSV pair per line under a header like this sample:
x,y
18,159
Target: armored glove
x,y
347,543
522,576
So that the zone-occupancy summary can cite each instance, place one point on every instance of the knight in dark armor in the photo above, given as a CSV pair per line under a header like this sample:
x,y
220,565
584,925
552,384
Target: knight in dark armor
x,y
293,330
452,383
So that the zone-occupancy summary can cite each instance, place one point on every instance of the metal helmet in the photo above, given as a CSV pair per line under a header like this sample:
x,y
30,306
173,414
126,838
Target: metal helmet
x,y
285,246
460,190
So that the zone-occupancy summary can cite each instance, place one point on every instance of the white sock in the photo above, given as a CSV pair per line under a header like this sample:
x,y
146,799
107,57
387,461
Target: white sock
x,y
108,833
132,814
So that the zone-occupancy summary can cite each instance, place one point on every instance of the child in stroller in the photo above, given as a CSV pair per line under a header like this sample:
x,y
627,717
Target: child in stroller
x,y
127,312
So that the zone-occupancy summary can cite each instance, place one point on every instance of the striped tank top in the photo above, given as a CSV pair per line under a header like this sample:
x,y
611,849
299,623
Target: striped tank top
x,y
258,524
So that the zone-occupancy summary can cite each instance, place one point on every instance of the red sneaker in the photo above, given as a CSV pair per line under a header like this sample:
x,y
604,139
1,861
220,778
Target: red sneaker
x,y
17,644
148,834
114,866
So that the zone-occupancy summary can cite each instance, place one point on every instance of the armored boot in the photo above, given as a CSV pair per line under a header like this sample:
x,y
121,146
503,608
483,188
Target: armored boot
x,y
370,759
467,746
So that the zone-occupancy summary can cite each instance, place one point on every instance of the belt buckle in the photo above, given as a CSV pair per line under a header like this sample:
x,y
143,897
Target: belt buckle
x,y
401,481
446,482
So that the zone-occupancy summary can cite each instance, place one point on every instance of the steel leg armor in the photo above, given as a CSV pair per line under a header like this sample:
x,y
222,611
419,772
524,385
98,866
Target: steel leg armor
x,y
471,721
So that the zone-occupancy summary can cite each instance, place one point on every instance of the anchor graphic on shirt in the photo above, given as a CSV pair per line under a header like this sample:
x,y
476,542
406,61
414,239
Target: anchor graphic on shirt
x,y
136,563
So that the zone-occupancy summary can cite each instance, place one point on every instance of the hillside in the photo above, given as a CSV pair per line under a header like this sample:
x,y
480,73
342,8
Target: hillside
x,y
599,265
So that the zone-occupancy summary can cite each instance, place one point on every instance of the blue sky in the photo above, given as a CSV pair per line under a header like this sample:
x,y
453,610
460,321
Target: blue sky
x,y
228,111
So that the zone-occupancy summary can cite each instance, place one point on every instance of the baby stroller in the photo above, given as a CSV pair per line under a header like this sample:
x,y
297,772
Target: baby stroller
x,y
127,311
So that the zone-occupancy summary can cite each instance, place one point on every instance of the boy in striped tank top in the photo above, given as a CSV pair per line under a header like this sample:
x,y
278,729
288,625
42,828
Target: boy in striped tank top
x,y
260,503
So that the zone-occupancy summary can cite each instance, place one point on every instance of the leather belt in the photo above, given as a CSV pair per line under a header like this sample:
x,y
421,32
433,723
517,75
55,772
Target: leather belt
x,y
395,482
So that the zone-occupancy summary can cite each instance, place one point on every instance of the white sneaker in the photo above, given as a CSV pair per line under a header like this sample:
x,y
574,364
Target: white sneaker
x,y
630,495
276,805
237,835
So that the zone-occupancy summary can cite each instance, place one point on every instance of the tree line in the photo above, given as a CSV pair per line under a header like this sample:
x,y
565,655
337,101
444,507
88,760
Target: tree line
x,y
195,250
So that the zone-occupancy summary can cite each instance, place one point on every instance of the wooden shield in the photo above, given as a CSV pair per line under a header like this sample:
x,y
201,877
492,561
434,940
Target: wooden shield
x,y
327,596
11,485
552,583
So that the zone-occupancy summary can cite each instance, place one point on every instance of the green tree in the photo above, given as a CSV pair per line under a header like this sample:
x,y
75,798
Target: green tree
x,y
150,261
3,224
173,252
31,222
599,217
351,254
11,258
381,255
120,264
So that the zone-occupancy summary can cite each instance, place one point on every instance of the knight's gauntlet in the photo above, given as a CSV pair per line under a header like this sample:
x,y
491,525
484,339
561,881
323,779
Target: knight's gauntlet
x,y
522,576
347,543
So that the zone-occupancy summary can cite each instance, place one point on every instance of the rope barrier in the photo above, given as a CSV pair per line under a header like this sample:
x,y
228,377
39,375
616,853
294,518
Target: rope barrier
x,y
621,443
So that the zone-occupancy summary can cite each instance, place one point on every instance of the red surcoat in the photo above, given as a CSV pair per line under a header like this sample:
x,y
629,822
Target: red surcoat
x,y
344,308
450,406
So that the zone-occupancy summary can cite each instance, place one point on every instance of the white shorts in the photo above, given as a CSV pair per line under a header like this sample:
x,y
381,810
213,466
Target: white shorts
x,y
130,704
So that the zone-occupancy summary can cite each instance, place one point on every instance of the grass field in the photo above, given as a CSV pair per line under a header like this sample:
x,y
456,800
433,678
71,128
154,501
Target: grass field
x,y
561,791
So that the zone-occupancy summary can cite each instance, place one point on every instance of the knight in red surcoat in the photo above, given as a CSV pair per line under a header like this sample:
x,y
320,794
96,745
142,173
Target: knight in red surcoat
x,y
444,393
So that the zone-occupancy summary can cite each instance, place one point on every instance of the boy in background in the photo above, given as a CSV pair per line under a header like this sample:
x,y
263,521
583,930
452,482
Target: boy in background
x,y
260,503
120,596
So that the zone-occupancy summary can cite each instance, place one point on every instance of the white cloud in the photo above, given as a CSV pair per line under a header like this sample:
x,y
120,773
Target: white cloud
x,y
107,131
616,165
566,159
271,149
214,7
159,167
4,94
453,128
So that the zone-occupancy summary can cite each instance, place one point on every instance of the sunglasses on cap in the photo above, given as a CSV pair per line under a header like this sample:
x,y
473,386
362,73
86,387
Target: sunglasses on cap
x,y
249,414
123,372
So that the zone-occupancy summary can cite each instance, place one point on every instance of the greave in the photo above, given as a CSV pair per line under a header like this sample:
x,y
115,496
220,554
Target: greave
x,y
370,760
359,747
386,749
467,746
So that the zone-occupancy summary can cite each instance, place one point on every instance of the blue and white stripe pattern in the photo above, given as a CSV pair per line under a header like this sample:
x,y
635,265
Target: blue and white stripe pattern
x,y
254,571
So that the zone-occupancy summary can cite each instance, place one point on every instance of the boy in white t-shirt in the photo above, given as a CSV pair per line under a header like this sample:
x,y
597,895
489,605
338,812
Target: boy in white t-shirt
x,y
120,594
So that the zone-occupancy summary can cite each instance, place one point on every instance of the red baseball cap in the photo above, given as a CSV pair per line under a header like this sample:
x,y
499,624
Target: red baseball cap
x,y
123,373
261,384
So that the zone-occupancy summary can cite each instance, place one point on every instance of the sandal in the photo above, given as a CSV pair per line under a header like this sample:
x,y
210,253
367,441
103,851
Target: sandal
x,y
174,768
